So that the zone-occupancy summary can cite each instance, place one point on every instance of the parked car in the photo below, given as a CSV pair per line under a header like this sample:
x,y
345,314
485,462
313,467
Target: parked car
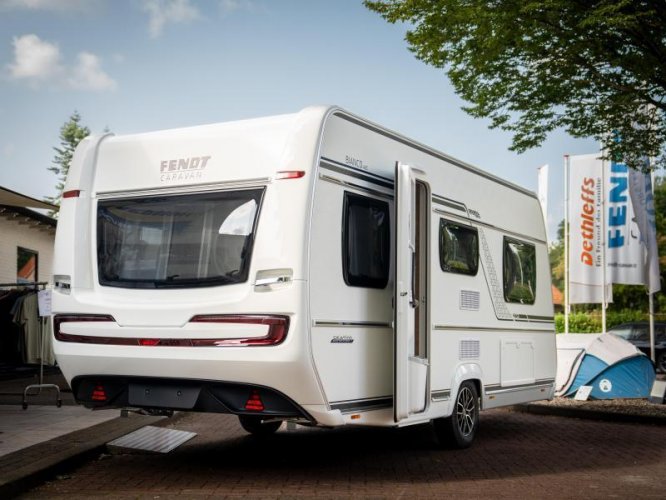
x,y
639,334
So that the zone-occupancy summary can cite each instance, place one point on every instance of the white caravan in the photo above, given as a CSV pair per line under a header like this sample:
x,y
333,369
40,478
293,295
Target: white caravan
x,y
312,267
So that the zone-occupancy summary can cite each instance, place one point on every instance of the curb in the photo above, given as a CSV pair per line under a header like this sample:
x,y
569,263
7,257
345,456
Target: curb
x,y
589,414
25,468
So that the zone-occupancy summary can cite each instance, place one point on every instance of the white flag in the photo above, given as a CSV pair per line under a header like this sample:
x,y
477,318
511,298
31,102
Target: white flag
x,y
586,276
624,252
543,194
640,186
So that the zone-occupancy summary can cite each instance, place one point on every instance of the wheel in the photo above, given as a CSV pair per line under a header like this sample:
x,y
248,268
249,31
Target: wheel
x,y
257,427
661,362
459,429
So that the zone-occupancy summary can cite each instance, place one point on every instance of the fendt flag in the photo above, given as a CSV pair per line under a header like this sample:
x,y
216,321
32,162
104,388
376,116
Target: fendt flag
x,y
599,198
640,187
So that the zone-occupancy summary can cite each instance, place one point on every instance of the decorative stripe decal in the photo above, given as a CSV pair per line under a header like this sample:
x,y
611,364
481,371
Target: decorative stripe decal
x,y
362,404
364,324
436,154
440,200
488,329
341,168
352,185
497,389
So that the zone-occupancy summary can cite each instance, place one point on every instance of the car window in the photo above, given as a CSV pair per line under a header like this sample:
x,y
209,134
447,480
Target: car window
x,y
622,332
640,332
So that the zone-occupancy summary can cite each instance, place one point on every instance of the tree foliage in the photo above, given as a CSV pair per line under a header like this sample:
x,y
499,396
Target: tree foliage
x,y
596,68
71,133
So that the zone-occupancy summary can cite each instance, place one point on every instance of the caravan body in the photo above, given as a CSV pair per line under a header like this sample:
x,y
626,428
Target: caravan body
x,y
311,267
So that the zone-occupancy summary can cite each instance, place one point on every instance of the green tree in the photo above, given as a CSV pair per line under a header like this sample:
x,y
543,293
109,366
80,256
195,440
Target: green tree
x,y
596,68
71,133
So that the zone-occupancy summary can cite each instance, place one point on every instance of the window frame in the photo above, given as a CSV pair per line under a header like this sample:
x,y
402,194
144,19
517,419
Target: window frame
x,y
506,240
257,193
446,222
33,252
350,279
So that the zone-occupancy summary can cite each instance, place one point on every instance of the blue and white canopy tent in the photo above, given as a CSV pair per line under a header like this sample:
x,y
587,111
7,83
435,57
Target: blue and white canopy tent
x,y
611,365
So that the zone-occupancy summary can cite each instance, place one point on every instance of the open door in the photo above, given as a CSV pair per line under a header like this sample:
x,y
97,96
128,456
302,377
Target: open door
x,y
411,302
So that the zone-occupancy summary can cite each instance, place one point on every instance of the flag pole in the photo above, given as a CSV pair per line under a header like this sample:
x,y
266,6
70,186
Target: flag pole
x,y
566,244
604,302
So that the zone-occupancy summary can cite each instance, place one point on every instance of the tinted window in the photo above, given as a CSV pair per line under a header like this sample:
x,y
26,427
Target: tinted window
x,y
171,241
519,268
458,248
366,244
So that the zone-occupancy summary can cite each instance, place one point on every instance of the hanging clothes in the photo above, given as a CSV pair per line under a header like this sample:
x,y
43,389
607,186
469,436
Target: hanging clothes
x,y
11,334
36,337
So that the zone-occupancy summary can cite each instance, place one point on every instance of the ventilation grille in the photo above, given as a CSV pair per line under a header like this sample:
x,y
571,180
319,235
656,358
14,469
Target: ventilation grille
x,y
468,349
469,300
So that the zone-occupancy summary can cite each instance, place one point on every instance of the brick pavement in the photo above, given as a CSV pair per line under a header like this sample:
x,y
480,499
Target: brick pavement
x,y
516,455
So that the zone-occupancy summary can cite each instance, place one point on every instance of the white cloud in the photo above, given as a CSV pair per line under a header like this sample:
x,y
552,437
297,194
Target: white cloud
x,y
88,74
50,5
38,62
163,12
34,60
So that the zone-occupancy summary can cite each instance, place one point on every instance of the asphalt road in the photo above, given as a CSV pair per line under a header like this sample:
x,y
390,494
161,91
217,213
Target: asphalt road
x,y
516,455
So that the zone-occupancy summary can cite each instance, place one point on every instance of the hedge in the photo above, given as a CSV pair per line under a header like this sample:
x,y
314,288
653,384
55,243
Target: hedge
x,y
583,322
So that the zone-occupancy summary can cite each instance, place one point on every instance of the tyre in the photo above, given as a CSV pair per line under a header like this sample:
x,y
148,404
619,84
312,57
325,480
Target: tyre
x,y
257,427
661,362
458,430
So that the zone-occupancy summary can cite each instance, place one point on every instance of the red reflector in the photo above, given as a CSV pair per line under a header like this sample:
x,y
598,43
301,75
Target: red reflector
x,y
74,193
149,341
290,174
254,402
99,394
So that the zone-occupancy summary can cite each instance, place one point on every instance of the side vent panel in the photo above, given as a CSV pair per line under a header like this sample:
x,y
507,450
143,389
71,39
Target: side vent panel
x,y
469,349
469,300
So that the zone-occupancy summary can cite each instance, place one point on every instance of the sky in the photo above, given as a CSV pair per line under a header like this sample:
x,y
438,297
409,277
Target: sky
x,y
142,65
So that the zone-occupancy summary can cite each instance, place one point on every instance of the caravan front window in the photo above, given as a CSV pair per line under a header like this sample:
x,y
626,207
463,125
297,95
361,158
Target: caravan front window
x,y
177,241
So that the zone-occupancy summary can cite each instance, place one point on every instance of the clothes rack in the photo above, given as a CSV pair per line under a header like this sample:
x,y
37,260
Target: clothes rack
x,y
42,324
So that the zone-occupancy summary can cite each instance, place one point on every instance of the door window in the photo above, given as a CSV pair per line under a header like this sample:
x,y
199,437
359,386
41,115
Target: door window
x,y
366,244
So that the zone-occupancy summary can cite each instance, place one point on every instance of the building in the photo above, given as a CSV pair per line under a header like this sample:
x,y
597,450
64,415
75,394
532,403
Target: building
x,y
26,241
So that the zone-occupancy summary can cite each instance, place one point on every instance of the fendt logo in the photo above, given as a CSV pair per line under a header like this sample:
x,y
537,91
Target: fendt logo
x,y
183,169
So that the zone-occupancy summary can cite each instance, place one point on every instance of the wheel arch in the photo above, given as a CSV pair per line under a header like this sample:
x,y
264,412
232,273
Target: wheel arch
x,y
471,372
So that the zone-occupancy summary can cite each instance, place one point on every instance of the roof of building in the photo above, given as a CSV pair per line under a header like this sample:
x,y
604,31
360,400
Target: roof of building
x,y
14,199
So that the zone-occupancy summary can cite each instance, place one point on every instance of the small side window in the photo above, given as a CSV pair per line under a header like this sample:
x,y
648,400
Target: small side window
x,y
458,248
366,241
519,268
26,265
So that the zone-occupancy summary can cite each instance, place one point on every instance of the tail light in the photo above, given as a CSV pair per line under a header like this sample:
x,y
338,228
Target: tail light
x,y
98,393
254,402
59,319
277,329
277,332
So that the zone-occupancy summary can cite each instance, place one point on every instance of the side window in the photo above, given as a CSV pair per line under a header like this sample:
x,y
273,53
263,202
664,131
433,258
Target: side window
x,y
519,268
366,241
458,248
26,265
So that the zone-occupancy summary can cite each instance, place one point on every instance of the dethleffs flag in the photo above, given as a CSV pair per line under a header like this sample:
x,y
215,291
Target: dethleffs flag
x,y
601,198
586,259
640,187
